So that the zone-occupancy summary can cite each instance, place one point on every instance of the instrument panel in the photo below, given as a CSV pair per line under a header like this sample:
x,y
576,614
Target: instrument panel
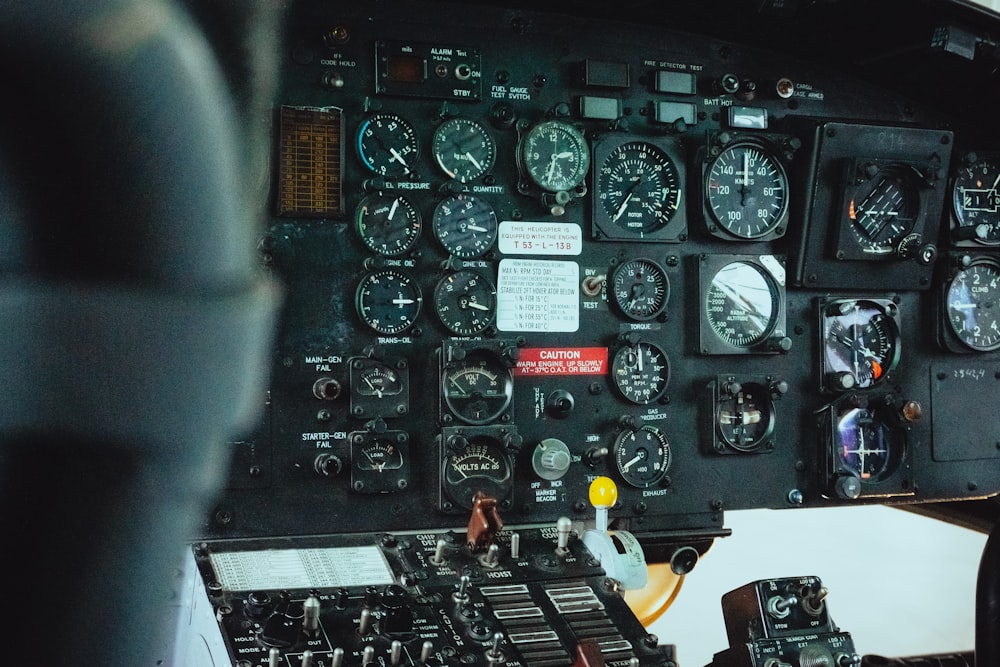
x,y
518,256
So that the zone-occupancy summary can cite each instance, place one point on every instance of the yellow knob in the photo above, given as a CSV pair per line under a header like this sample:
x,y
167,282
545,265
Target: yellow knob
x,y
603,492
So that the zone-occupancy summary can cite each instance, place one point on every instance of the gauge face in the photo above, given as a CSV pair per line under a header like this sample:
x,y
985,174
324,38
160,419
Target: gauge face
x,y
555,155
977,202
638,188
478,388
388,301
747,191
463,149
483,465
745,418
387,145
465,301
641,372
861,341
882,210
742,304
640,289
465,225
973,305
378,380
378,456
388,225
864,445
642,456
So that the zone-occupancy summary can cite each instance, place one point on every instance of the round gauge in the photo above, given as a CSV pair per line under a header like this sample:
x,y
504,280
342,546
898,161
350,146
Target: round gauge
x,y
388,301
745,418
641,372
861,341
977,202
642,456
478,388
463,149
973,305
742,304
482,465
865,445
378,380
387,145
639,187
378,456
388,224
465,302
555,155
640,289
882,210
465,225
746,190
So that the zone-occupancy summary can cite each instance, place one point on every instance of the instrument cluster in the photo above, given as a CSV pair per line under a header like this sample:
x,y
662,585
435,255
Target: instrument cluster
x,y
520,254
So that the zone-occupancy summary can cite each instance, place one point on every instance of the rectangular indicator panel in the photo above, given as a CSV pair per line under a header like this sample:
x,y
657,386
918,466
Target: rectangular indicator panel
x,y
310,162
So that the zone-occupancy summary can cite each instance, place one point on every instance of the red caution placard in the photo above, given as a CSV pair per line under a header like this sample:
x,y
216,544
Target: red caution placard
x,y
562,361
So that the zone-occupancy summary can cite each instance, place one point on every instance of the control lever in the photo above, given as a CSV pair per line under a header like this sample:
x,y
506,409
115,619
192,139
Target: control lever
x,y
485,522
618,551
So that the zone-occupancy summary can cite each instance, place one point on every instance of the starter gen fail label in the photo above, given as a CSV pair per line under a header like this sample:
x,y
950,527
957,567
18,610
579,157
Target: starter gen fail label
x,y
562,361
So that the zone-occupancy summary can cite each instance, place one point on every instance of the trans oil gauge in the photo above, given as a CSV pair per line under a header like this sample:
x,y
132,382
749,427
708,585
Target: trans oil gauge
x,y
465,302
388,301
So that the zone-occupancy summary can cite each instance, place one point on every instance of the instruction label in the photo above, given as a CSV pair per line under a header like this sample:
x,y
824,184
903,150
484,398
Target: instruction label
x,y
562,361
540,238
538,295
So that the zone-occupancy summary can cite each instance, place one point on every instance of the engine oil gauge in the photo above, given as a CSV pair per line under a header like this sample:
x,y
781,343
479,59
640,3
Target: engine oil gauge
x,y
388,224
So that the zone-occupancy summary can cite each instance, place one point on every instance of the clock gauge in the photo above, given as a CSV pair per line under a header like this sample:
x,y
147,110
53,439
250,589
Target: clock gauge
x,y
555,156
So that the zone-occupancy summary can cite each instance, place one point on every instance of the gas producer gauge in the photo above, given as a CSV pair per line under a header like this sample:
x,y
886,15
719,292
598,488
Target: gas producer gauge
x,y
641,372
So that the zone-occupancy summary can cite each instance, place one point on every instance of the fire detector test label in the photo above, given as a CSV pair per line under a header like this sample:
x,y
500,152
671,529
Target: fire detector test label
x,y
538,295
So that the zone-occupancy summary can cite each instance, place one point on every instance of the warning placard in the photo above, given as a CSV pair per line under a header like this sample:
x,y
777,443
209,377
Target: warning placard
x,y
562,361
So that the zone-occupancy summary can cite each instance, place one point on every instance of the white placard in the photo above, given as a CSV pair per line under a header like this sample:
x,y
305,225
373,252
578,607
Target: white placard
x,y
538,295
539,238
301,568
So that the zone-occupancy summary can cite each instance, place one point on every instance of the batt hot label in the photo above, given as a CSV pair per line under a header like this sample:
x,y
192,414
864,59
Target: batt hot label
x,y
562,361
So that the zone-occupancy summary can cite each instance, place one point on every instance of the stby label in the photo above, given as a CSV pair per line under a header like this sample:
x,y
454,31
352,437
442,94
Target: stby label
x,y
562,361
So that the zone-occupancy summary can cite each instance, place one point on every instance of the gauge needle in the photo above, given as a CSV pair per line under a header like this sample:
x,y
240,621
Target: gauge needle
x,y
459,471
376,391
476,228
392,209
461,389
474,161
631,462
402,302
624,205
638,355
477,306
399,158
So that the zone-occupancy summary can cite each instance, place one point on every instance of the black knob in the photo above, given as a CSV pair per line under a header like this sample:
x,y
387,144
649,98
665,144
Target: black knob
x,y
559,404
